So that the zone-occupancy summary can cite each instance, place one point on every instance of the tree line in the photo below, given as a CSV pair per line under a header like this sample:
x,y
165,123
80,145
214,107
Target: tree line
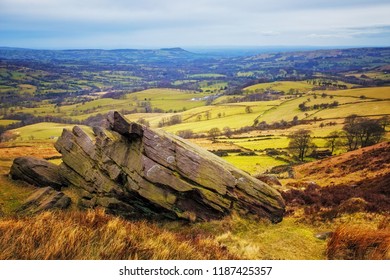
x,y
357,132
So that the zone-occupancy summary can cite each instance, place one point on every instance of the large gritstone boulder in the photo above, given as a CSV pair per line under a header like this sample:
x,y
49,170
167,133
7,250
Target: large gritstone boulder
x,y
38,172
136,171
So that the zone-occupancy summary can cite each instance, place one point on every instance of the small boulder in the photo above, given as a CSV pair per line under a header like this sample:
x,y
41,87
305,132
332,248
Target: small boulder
x,y
323,235
37,172
44,199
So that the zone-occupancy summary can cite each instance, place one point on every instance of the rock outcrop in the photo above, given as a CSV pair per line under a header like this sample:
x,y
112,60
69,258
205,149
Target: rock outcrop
x,y
44,199
37,172
135,171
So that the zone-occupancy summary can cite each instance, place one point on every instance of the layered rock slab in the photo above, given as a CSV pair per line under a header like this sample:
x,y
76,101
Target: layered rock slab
x,y
44,199
135,171
37,172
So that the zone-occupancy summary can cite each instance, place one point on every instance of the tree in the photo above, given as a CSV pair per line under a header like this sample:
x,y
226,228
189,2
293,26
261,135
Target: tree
x,y
362,132
228,132
350,129
214,132
300,143
143,121
175,119
163,122
187,133
333,140
384,121
295,121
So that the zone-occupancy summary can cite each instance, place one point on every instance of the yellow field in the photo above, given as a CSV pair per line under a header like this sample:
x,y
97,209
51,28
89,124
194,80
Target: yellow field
x,y
361,109
41,131
253,164
285,86
7,122
374,92
202,119
164,99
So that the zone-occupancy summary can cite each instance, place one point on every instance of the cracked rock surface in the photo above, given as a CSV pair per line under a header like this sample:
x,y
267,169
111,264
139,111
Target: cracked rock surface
x,y
138,172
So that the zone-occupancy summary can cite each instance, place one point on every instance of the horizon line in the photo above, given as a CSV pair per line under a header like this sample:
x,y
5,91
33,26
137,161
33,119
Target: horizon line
x,y
205,47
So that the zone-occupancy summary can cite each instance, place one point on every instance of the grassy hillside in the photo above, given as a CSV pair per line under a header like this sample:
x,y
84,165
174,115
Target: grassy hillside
x,y
376,93
40,131
237,115
7,122
94,235
285,86
163,99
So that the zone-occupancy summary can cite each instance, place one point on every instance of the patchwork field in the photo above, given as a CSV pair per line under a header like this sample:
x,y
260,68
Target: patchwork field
x,y
284,86
163,99
375,93
40,131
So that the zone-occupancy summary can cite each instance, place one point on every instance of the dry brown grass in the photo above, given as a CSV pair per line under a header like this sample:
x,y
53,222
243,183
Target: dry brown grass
x,y
95,235
347,169
359,243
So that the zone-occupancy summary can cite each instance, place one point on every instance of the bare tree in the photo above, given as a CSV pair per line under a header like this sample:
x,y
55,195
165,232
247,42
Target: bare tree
x,y
228,131
333,140
300,143
362,132
214,132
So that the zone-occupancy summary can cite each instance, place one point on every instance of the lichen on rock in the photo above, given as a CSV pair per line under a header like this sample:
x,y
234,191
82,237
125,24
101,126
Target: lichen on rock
x,y
136,171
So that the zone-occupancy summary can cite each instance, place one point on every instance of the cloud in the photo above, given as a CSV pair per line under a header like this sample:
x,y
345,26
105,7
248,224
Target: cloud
x,y
188,22
355,32
269,33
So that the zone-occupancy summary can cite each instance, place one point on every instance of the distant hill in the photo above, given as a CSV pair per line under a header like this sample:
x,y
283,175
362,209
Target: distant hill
x,y
111,56
310,59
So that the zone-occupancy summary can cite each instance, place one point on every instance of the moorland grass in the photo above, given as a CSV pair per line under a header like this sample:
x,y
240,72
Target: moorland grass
x,y
76,235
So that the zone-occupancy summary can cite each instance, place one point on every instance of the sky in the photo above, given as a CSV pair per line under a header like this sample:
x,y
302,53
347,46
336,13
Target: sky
x,y
113,24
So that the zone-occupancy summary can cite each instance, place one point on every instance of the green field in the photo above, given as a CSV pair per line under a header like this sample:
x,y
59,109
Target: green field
x,y
361,109
7,122
374,92
201,119
41,131
237,115
212,87
152,118
169,99
206,75
231,115
285,86
290,108
225,99
253,164
258,144
164,99
372,75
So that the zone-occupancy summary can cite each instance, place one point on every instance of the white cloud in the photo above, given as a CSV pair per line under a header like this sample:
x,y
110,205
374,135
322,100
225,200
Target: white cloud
x,y
188,22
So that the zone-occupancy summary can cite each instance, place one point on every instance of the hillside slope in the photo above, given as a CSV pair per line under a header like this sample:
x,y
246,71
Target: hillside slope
x,y
353,182
349,168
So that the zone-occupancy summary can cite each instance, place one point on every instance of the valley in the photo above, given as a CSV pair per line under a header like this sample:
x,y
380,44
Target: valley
x,y
244,109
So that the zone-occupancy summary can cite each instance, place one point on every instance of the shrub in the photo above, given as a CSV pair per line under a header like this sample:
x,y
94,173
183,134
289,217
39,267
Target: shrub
x,y
356,243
